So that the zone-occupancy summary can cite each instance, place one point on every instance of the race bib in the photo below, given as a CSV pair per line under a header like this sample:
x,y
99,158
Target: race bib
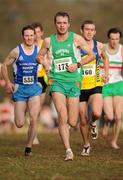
x,y
28,79
62,64
89,70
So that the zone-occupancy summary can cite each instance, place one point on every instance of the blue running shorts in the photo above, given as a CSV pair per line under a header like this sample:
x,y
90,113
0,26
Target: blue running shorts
x,y
23,92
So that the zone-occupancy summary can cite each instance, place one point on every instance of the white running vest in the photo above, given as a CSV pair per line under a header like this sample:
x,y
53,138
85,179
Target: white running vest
x,y
115,65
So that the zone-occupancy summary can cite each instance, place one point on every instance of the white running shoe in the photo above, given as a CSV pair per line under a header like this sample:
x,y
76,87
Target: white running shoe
x,y
36,141
86,151
94,131
69,155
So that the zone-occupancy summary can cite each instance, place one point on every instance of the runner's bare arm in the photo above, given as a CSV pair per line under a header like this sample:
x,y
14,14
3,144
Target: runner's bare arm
x,y
105,59
12,56
43,55
81,44
43,51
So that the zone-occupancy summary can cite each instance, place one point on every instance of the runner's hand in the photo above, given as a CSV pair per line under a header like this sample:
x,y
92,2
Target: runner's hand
x,y
72,67
47,68
9,87
105,78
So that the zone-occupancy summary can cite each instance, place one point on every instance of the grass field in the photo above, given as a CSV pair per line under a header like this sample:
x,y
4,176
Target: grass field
x,y
47,161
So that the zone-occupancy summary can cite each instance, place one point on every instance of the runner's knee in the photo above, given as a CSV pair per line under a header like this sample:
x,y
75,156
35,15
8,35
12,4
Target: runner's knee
x,y
72,123
96,115
19,124
118,118
110,117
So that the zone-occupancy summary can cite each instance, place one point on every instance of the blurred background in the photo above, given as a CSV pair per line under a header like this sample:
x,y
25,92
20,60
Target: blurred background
x,y
15,14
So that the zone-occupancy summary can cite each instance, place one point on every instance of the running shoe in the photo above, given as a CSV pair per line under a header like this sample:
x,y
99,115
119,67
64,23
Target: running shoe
x,y
36,141
28,151
69,155
86,151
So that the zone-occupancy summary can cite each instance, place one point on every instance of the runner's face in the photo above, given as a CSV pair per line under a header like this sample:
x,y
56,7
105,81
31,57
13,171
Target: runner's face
x,y
38,33
88,31
114,40
28,37
62,25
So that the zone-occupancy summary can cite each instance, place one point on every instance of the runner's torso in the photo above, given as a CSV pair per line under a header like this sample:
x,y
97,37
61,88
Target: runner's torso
x,y
91,76
25,67
62,55
115,64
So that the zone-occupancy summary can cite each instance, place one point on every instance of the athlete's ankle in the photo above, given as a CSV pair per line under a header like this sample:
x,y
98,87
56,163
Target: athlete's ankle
x,y
68,149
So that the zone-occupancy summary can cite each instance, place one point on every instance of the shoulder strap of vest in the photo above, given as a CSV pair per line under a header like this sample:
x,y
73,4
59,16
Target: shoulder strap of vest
x,y
96,49
35,49
20,49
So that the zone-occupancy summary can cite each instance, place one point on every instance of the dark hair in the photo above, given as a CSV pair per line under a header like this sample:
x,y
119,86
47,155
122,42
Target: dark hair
x,y
63,14
114,30
86,22
27,28
37,24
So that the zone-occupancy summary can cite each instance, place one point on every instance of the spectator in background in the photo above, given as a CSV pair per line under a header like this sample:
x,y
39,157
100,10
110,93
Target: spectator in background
x,y
2,81
46,117
7,124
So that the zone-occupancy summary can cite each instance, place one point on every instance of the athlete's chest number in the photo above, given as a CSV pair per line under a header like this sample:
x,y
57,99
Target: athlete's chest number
x,y
62,64
28,79
62,67
89,70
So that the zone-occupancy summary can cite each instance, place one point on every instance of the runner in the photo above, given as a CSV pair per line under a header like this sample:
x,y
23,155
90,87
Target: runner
x,y
65,74
25,90
113,90
91,92
42,77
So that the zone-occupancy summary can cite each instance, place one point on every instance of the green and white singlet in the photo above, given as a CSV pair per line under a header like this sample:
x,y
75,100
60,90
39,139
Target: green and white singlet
x,y
115,85
64,53
115,65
